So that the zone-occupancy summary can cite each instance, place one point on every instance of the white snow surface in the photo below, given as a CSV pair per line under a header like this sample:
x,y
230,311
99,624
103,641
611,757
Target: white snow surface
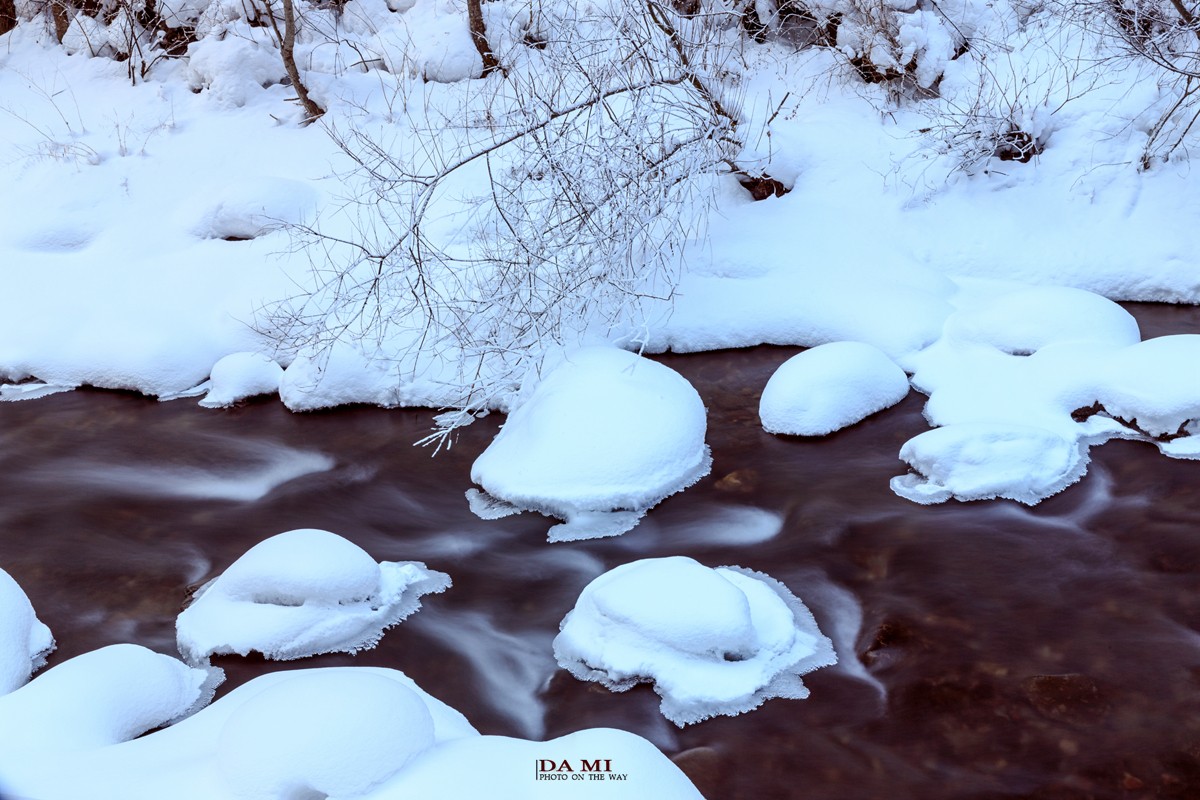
x,y
830,387
300,593
603,437
712,641
25,641
363,732
238,376
144,249
97,699
1017,406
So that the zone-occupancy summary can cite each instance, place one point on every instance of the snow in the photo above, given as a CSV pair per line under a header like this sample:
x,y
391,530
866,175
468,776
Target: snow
x,y
96,699
602,438
152,239
24,640
1018,404
712,641
301,593
238,376
364,732
322,734
980,461
830,387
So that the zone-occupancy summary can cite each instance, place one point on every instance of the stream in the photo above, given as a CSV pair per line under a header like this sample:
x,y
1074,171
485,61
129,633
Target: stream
x,y
988,649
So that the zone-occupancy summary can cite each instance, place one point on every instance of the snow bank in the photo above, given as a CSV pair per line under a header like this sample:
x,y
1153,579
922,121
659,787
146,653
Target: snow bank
x,y
322,734
238,376
100,698
342,732
24,640
605,436
712,641
301,593
829,387
282,735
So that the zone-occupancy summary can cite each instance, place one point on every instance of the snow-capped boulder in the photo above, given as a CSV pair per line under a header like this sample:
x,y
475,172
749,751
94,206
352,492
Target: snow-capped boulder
x,y
712,641
830,387
1154,384
605,436
24,640
981,461
301,593
96,699
240,375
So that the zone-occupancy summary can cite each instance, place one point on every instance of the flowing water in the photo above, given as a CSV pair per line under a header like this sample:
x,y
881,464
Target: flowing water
x,y
988,650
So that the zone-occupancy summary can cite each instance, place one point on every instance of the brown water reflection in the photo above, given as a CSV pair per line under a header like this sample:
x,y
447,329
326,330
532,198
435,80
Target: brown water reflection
x,y
1003,652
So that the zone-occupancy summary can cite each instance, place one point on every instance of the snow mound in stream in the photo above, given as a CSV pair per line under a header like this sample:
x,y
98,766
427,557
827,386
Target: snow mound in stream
x,y
24,640
301,593
830,387
712,641
604,437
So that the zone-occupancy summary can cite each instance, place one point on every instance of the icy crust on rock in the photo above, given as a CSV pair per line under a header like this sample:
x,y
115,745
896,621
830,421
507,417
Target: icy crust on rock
x,y
25,641
238,376
830,387
301,593
605,436
1017,406
978,461
711,641
97,699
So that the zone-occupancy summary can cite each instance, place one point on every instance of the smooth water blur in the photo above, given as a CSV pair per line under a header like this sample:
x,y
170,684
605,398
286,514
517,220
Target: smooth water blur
x,y
988,650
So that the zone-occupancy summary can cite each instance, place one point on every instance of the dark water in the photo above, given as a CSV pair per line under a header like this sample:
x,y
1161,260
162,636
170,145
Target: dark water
x,y
989,650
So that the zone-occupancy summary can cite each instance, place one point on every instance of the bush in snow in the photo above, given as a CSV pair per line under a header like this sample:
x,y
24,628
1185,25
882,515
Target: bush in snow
x,y
301,593
712,641
605,436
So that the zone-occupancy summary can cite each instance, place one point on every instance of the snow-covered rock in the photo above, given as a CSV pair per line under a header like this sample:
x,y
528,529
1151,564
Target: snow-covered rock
x,y
712,641
24,640
300,593
240,375
322,734
96,699
604,437
829,387
981,461
1154,384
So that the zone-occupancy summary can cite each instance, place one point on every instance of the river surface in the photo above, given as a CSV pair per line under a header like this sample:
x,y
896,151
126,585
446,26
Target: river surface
x,y
988,650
